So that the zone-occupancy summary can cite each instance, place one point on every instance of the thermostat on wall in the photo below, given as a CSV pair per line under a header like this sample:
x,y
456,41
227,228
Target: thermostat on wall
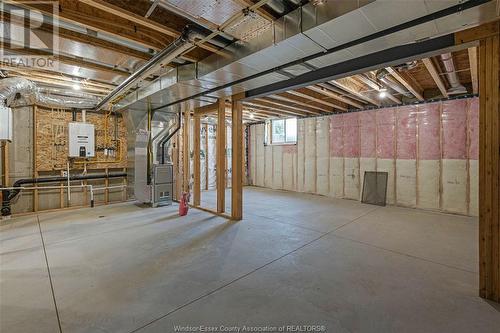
x,y
81,140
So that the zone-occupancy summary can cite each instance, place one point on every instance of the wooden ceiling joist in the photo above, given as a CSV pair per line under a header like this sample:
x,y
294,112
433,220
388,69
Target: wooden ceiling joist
x,y
71,11
207,109
296,100
472,51
406,81
316,98
277,106
374,85
351,87
78,37
286,105
431,68
321,89
279,110
132,17
69,60
30,72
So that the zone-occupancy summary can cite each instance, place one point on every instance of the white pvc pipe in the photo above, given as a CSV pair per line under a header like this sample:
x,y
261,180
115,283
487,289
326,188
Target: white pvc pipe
x,y
90,187
69,185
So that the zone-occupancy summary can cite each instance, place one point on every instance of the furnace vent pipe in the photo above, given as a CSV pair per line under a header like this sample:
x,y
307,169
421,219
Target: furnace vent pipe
x,y
451,74
164,141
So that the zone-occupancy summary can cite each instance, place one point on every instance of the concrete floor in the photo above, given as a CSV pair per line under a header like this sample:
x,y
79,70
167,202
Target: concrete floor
x,y
295,259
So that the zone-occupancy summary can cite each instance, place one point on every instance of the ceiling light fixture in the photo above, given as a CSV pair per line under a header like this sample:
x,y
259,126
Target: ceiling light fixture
x,y
382,93
252,116
76,86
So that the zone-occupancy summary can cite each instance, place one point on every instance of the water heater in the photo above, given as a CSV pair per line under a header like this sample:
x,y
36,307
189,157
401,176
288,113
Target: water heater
x,y
6,123
81,140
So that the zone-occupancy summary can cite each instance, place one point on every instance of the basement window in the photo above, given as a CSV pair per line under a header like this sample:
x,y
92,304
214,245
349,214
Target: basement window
x,y
281,131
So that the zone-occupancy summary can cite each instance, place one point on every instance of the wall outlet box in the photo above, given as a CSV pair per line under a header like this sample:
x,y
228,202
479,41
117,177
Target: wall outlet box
x,y
6,124
81,140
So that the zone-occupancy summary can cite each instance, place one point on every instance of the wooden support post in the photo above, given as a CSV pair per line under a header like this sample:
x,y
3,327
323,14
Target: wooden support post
x,y
34,155
196,160
489,155
489,168
221,156
237,160
206,157
185,146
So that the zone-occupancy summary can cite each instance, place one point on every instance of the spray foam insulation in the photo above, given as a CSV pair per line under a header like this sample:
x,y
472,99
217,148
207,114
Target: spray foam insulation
x,y
430,152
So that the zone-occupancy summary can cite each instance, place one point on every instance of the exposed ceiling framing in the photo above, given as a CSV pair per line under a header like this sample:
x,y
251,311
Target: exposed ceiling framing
x,y
135,30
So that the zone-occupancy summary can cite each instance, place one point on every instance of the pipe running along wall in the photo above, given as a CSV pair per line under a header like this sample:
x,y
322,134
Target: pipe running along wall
x,y
9,195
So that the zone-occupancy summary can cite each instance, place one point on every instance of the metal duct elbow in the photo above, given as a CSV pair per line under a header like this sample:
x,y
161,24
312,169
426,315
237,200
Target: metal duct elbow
x,y
13,87
384,77
455,86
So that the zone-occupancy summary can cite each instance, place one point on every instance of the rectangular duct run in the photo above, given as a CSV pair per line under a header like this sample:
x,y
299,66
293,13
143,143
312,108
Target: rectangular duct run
x,y
375,188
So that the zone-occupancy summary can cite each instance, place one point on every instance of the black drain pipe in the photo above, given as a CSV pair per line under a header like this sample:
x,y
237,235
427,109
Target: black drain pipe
x,y
9,195
164,141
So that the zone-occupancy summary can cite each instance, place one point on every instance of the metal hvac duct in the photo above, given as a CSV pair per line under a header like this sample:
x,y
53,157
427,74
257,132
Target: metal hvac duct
x,y
183,43
356,28
12,88
455,86
384,77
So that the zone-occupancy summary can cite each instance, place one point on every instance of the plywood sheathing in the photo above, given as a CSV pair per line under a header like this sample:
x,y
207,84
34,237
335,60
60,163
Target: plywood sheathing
x,y
52,140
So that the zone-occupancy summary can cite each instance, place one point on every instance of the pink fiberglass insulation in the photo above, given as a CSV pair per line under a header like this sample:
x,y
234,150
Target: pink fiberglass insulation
x,y
368,133
474,128
407,132
385,133
336,137
351,134
428,131
454,119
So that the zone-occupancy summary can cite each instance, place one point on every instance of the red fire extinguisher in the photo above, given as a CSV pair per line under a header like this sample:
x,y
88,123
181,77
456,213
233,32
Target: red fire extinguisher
x,y
184,204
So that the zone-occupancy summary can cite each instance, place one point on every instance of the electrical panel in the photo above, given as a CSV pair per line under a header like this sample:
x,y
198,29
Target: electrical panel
x,y
6,124
81,140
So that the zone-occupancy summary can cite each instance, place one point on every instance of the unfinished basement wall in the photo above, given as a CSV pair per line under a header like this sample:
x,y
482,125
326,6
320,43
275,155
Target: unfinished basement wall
x,y
430,152
46,154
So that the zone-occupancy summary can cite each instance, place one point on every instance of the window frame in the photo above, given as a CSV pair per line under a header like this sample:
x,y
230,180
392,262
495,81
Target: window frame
x,y
268,137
